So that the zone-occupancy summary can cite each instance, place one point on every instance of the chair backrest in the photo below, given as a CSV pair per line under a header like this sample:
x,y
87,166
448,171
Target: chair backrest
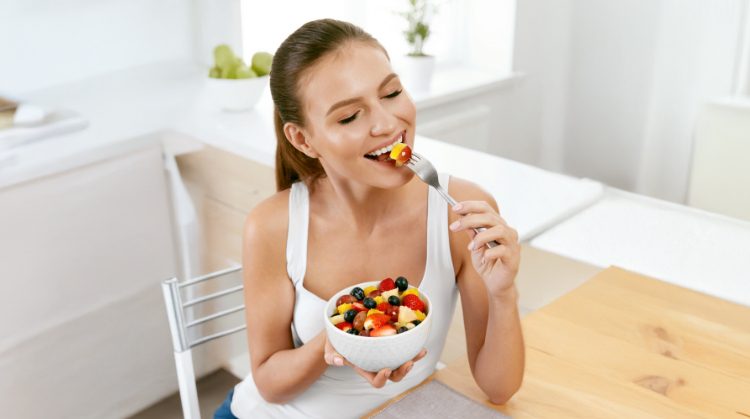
x,y
180,325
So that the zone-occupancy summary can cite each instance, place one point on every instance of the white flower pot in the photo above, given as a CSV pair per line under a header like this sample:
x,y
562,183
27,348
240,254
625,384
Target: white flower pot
x,y
236,94
416,72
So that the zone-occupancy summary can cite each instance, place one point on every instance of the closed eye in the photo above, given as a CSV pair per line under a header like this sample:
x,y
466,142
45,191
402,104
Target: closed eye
x,y
394,94
349,119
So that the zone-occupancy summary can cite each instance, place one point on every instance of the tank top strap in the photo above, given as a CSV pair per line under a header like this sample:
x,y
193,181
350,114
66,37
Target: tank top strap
x,y
296,241
438,239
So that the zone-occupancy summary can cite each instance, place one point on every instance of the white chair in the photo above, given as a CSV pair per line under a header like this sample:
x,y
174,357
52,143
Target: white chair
x,y
179,326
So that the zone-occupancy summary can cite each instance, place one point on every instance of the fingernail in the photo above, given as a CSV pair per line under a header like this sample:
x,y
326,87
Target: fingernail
x,y
387,373
471,245
409,368
338,361
455,225
457,207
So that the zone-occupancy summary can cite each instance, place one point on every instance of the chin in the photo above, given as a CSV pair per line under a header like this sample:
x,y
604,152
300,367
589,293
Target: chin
x,y
394,179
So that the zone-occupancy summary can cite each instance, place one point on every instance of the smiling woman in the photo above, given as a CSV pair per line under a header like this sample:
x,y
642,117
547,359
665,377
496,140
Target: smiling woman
x,y
345,207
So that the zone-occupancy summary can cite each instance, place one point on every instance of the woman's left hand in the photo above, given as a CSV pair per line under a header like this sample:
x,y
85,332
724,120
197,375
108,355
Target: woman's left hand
x,y
498,265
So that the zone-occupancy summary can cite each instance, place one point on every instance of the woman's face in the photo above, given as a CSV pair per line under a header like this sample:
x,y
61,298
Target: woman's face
x,y
355,105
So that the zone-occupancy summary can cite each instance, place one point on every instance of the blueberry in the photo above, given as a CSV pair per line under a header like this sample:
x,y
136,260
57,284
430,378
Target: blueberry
x,y
416,322
394,301
369,303
350,315
402,284
352,331
358,293
402,329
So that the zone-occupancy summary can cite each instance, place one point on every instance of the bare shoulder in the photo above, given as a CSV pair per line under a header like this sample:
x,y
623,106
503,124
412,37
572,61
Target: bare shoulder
x,y
465,190
268,219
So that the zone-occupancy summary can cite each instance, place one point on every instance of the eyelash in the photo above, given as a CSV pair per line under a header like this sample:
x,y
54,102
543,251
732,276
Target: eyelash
x,y
354,116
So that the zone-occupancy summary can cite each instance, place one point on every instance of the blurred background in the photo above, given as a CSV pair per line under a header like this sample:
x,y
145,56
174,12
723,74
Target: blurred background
x,y
650,97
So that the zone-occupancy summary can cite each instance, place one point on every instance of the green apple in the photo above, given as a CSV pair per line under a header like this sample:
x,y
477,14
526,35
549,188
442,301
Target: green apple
x,y
245,73
224,57
261,63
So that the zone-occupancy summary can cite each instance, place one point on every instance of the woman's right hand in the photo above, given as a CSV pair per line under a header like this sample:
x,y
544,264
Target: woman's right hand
x,y
378,379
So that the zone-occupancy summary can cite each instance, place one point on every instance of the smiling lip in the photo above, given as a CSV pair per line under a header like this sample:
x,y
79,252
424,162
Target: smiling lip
x,y
401,135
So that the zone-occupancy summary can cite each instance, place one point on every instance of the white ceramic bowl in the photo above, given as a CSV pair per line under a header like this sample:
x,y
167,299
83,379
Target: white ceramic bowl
x,y
236,94
376,353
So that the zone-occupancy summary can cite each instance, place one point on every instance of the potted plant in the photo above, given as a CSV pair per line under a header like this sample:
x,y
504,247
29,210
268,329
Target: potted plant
x,y
418,67
232,84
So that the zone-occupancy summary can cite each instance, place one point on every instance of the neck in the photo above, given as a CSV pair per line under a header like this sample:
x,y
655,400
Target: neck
x,y
363,207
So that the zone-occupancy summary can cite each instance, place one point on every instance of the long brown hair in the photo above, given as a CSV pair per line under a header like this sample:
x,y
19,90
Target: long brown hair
x,y
303,48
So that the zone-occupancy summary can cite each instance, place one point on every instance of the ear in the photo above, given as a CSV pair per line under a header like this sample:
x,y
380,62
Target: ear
x,y
298,136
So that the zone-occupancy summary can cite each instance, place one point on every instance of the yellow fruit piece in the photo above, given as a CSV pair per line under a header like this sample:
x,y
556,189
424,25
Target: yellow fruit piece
x,y
396,150
420,315
343,308
410,291
374,311
378,299
370,289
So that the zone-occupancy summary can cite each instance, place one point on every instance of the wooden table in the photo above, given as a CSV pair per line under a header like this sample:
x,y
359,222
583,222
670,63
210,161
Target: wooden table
x,y
626,346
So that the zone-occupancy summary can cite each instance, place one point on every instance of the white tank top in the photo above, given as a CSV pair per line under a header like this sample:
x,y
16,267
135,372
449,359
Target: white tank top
x,y
340,392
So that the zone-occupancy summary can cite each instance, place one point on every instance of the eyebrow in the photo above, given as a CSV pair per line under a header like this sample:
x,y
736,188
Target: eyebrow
x,y
356,99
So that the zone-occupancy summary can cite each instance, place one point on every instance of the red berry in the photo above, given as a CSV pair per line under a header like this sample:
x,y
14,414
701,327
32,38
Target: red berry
x,y
413,302
385,330
386,285
373,294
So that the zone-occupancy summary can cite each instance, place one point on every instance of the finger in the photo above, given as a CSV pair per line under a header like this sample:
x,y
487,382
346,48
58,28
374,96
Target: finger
x,y
367,375
467,207
470,221
381,378
399,373
500,233
331,357
420,355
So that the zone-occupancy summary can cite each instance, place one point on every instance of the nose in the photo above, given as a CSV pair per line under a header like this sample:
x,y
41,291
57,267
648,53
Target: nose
x,y
383,121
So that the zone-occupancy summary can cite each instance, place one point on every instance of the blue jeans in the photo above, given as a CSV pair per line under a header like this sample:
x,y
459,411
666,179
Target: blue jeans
x,y
224,412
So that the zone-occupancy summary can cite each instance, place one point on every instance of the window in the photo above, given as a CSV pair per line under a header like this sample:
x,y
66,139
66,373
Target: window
x,y
477,33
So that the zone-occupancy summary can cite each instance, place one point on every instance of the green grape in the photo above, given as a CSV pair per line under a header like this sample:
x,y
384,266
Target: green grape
x,y
245,73
223,56
261,63
214,72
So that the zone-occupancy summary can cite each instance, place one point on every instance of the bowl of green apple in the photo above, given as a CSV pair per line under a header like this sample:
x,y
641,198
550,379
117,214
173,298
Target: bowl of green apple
x,y
235,86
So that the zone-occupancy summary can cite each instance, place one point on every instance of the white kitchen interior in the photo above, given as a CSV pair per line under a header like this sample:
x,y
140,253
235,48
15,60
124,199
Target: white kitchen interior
x,y
610,133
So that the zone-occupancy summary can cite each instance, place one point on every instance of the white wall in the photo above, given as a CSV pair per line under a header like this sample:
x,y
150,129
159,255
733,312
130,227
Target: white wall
x,y
46,42
614,86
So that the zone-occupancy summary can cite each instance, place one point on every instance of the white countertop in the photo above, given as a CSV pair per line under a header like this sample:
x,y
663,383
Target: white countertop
x,y
696,249
168,101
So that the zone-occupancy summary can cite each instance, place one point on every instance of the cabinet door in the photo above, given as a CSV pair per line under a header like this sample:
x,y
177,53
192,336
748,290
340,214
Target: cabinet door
x,y
83,328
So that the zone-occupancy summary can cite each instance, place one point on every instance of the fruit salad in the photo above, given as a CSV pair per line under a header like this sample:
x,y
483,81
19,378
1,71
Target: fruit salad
x,y
401,153
387,309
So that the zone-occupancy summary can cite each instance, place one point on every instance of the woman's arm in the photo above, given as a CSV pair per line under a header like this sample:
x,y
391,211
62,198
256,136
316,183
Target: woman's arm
x,y
488,294
280,371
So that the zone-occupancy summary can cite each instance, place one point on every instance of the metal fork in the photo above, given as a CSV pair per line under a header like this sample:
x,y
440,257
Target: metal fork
x,y
426,171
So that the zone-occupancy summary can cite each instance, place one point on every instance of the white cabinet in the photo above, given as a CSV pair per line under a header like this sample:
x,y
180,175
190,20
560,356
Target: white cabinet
x,y
82,326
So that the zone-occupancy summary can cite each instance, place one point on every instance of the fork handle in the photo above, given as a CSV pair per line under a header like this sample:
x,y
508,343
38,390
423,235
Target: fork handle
x,y
453,202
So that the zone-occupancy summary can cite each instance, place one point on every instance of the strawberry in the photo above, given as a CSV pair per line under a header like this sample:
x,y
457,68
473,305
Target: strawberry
x,y
344,326
344,299
384,307
413,302
359,306
386,285
373,293
385,330
376,320
389,310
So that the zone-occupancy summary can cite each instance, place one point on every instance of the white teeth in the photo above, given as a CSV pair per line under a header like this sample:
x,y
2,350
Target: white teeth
x,y
386,149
